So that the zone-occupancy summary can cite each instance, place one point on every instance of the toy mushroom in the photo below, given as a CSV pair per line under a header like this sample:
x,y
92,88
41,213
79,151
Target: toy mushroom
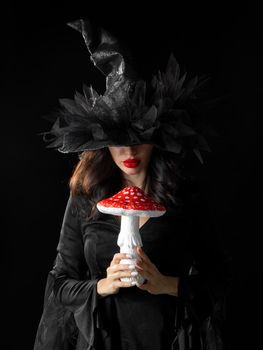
x,y
130,204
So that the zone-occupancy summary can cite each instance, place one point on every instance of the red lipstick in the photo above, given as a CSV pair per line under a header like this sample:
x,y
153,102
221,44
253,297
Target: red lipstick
x,y
131,163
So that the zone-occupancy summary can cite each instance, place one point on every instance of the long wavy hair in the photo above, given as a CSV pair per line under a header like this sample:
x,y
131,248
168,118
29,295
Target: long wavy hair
x,y
97,177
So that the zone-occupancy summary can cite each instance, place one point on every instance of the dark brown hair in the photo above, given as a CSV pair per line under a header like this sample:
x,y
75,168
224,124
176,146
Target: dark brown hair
x,y
97,176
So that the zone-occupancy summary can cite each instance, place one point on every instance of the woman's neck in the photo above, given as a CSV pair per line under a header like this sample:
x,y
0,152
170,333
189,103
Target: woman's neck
x,y
136,180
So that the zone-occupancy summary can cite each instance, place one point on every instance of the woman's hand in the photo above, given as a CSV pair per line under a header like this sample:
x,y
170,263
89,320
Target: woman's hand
x,y
156,283
112,283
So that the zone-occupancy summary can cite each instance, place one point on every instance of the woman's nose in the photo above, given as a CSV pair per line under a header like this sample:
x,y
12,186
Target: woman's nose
x,y
130,150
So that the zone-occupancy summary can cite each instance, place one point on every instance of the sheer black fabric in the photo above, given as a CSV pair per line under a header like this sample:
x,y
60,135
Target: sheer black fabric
x,y
178,243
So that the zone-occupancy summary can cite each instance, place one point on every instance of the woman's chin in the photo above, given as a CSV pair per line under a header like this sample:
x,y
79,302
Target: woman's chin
x,y
131,171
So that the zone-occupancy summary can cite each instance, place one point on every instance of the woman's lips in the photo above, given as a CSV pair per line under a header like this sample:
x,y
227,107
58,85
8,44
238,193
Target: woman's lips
x,y
131,163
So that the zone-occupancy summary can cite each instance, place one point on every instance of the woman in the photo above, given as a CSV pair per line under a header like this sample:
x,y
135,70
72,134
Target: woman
x,y
87,306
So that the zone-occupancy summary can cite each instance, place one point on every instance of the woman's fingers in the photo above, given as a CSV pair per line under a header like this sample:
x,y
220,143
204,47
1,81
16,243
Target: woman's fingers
x,y
144,272
142,255
119,273
117,258
122,274
144,264
120,284
145,286
146,268
120,267
116,272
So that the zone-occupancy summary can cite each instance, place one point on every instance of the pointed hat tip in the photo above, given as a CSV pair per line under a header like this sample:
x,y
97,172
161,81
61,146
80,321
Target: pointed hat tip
x,y
77,24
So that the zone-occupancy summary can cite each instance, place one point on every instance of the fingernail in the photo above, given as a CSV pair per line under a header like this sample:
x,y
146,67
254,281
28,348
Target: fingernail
x,y
132,267
128,256
138,267
134,273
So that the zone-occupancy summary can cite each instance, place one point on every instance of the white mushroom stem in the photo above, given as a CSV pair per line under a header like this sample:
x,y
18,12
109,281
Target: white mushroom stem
x,y
129,236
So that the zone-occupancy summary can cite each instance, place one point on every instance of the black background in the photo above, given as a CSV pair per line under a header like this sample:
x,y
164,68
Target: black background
x,y
43,60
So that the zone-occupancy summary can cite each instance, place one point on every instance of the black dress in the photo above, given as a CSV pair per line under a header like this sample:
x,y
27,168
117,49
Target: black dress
x,y
75,317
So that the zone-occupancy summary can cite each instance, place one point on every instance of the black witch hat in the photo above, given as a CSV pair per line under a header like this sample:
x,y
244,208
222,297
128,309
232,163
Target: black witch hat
x,y
131,111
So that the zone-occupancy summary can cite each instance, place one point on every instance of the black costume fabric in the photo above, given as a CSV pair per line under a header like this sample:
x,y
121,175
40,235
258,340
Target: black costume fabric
x,y
178,243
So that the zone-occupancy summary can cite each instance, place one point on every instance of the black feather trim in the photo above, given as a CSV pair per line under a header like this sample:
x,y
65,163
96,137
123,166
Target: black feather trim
x,y
121,116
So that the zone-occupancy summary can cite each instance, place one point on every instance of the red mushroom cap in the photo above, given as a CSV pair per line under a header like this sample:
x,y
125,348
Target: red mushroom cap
x,y
131,201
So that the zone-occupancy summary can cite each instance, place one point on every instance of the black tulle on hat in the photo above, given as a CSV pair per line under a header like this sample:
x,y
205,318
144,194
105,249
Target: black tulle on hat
x,y
131,111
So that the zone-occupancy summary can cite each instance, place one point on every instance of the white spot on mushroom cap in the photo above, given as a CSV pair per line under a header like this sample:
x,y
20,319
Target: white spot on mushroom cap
x,y
128,203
